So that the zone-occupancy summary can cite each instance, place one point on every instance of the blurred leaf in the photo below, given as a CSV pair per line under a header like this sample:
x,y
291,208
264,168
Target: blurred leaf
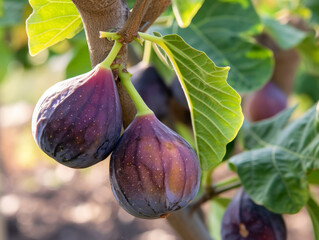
x,y
221,29
80,62
313,210
274,169
6,57
285,36
313,5
214,105
51,22
217,209
12,12
313,178
185,10
1,8
307,84
309,51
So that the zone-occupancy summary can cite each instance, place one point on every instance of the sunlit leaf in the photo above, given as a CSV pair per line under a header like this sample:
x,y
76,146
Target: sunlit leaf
x,y
313,210
51,22
222,30
214,105
280,156
185,10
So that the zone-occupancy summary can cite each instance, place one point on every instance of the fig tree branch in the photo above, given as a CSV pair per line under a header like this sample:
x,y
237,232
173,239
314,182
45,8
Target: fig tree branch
x,y
213,192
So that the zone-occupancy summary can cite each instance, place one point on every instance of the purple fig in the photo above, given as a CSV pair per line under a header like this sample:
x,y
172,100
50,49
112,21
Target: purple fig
x,y
151,88
245,220
153,171
78,121
265,103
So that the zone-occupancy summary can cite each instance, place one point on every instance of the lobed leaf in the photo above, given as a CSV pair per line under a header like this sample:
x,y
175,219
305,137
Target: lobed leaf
x,y
51,22
280,156
214,105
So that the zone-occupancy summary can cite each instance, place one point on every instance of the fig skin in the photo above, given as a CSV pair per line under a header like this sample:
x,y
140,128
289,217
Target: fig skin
x,y
78,121
265,103
245,220
153,171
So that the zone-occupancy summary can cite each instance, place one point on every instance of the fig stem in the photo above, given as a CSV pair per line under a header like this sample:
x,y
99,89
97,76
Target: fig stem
x,y
141,107
147,52
112,55
214,191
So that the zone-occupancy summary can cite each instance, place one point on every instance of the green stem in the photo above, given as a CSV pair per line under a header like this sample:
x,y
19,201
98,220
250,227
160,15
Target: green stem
x,y
110,35
147,52
226,182
112,55
141,107
150,38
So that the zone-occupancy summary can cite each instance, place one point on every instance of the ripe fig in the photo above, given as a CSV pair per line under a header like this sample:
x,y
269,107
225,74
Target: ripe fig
x,y
153,171
151,88
245,220
78,121
265,103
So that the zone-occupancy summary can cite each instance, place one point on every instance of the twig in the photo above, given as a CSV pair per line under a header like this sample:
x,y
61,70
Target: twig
x,y
213,192
132,25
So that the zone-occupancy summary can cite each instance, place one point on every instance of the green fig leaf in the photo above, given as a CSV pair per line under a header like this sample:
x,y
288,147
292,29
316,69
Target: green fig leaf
x,y
51,22
185,10
222,29
279,157
313,210
215,106
285,36
11,12
217,209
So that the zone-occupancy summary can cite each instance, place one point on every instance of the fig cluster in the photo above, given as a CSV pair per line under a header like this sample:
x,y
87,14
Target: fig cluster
x,y
78,122
245,220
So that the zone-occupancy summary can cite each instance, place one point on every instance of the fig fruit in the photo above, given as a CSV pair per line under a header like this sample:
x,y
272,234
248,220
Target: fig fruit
x,y
78,121
151,88
265,103
153,171
245,220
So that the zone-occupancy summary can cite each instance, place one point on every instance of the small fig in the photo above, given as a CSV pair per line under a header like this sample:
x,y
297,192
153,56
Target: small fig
x,y
78,121
151,88
245,220
153,171
265,103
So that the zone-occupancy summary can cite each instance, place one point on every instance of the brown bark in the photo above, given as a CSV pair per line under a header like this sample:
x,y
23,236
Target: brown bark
x,y
189,225
103,15
156,8
286,63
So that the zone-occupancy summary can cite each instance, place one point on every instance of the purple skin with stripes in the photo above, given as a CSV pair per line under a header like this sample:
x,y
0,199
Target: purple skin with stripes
x,y
153,170
245,220
78,121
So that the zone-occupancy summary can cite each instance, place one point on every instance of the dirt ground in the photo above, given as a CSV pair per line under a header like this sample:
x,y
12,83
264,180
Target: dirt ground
x,y
43,200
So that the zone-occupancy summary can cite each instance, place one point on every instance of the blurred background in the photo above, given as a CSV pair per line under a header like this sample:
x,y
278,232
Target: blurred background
x,y
41,199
